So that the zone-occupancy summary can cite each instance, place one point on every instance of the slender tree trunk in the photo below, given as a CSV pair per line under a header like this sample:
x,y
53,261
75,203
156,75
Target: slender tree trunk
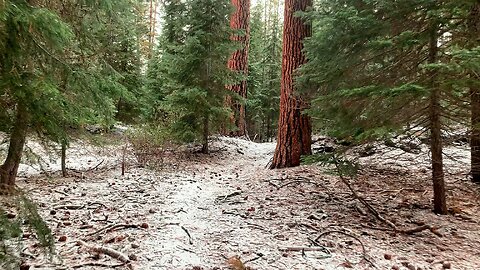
x,y
9,169
240,21
475,134
206,132
63,159
154,24
474,38
294,129
439,197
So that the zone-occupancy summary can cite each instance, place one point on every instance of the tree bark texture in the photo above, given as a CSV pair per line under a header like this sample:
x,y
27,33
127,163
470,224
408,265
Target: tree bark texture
x,y
206,131
294,128
436,147
474,40
238,62
9,169
63,159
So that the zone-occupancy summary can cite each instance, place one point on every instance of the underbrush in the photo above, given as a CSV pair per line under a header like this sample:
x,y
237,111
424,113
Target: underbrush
x,y
19,219
151,145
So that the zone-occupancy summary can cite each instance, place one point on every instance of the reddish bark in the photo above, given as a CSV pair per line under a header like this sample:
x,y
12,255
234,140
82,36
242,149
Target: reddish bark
x,y
294,128
238,62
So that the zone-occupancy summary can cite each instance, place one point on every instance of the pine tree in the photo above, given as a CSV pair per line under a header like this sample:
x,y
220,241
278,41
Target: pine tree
x,y
473,43
53,71
158,81
294,128
238,62
195,72
384,66
264,71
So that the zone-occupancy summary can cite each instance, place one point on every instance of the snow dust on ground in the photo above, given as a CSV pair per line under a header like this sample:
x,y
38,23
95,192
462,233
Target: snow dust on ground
x,y
200,210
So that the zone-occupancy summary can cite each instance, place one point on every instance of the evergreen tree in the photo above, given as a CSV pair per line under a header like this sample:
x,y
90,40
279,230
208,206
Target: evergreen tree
x,y
194,70
294,128
53,70
386,65
264,71
174,23
238,62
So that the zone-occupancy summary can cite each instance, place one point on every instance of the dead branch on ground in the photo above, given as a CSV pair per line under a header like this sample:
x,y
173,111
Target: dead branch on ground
x,y
110,252
112,227
377,215
364,251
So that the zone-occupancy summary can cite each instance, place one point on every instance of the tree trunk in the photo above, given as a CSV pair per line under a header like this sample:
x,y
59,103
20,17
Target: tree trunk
x,y
474,37
205,134
475,134
294,128
439,197
63,159
238,62
8,171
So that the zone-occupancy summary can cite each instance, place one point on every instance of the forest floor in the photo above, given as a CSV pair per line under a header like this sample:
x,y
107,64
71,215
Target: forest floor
x,y
193,211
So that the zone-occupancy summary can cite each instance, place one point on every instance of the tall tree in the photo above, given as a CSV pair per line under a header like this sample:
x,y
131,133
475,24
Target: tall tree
x,y
294,128
264,76
28,35
238,62
192,68
62,74
473,30
386,67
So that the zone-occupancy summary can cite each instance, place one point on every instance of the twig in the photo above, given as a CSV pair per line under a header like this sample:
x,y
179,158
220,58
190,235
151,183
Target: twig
x,y
377,215
269,162
298,181
360,199
224,198
190,241
69,207
98,264
124,153
419,229
110,252
364,251
302,249
259,255
61,192
112,227
96,166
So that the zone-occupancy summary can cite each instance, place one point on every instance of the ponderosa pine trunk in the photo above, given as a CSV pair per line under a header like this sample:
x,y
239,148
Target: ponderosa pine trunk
x,y
9,169
294,128
436,147
238,62
474,38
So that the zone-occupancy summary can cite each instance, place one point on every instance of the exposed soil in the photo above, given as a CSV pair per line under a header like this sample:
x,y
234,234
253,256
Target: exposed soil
x,y
200,210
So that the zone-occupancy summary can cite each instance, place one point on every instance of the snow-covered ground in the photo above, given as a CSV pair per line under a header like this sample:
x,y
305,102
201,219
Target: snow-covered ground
x,y
201,210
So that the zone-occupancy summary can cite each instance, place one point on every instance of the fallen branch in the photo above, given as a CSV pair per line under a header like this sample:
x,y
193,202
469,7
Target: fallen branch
x,y
96,166
112,227
297,181
302,249
190,241
98,264
69,207
362,200
364,251
110,252
434,230
377,215
225,197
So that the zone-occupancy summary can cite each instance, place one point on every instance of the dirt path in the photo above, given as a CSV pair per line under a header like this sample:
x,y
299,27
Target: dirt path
x,y
227,204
